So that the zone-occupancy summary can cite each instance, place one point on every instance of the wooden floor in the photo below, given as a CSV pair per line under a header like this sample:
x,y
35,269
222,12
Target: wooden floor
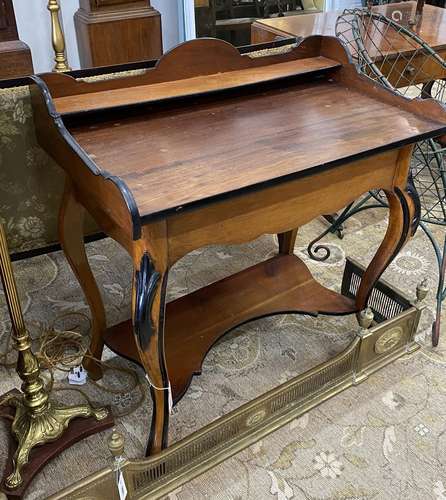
x,y
168,159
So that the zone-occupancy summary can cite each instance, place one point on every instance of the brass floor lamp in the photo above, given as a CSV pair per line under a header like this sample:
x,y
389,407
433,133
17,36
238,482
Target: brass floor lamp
x,y
37,419
57,38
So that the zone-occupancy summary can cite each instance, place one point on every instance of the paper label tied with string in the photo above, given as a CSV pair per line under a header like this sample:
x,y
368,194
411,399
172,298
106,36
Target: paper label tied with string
x,y
168,388
120,481
77,376
122,488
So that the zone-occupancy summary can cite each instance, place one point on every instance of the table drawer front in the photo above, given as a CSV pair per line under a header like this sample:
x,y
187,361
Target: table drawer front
x,y
419,70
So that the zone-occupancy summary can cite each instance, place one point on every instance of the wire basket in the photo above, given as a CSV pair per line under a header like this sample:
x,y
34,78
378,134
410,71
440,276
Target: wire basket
x,y
397,58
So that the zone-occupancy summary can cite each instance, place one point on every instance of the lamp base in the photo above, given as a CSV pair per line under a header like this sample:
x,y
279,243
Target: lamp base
x,y
71,431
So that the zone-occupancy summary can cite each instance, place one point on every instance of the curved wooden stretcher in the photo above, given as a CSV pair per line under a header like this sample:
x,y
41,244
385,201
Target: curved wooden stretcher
x,y
214,147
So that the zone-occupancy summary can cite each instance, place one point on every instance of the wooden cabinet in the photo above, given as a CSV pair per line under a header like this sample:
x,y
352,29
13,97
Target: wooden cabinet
x,y
117,31
15,55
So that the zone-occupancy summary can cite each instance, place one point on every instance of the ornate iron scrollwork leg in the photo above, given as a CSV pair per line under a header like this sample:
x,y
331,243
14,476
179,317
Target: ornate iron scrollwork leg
x,y
331,219
441,295
333,228
440,254
353,209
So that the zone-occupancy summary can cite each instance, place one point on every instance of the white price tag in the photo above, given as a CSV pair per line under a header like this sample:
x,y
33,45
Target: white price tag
x,y
122,488
77,376
169,392
170,399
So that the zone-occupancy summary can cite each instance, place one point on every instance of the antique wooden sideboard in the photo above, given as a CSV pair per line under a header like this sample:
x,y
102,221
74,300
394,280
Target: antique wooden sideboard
x,y
214,147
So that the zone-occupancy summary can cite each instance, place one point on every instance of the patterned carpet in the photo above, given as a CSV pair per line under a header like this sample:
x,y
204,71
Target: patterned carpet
x,y
382,439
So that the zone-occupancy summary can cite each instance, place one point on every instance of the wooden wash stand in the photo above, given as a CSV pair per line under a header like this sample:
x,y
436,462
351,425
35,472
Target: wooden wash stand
x,y
214,147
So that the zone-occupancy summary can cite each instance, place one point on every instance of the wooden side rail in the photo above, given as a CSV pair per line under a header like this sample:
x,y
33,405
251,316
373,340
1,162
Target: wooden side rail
x,y
192,86
201,65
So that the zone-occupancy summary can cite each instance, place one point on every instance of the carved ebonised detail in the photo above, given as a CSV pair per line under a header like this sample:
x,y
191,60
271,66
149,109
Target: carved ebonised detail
x,y
146,281
413,193
407,223
40,94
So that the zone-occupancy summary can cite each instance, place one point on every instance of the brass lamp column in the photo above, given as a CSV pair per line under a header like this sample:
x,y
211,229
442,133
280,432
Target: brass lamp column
x,y
37,419
58,38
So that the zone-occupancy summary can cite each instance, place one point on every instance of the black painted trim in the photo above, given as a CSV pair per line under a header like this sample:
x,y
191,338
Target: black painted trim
x,y
146,281
138,219
152,423
289,177
85,158
224,333
165,436
413,193
162,363
406,223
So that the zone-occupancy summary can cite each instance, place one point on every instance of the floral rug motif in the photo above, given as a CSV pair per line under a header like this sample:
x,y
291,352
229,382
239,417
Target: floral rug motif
x,y
385,438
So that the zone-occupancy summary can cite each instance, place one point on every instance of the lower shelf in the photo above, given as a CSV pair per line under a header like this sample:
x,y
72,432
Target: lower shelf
x,y
387,339
282,284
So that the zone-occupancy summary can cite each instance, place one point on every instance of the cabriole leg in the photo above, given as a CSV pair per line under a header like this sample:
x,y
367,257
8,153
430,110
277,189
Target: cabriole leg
x,y
149,287
71,235
401,216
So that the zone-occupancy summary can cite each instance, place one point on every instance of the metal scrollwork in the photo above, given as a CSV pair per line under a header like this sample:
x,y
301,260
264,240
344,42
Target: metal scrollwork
x,y
314,250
